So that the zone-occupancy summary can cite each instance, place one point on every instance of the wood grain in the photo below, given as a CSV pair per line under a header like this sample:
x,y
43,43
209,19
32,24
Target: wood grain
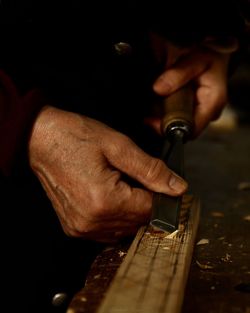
x,y
153,275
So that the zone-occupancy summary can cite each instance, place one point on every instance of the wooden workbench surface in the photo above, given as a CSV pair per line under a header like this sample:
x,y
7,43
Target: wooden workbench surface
x,y
218,170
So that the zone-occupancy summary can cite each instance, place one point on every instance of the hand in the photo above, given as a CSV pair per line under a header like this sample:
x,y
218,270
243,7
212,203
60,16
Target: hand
x,y
79,162
208,70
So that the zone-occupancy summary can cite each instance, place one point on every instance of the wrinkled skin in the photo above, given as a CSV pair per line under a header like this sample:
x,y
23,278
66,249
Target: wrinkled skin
x,y
79,163
79,160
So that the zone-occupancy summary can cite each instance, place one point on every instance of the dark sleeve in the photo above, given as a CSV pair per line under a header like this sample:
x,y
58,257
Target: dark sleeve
x,y
185,22
191,22
17,112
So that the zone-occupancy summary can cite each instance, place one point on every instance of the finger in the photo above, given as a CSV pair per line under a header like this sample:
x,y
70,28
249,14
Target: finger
x,y
107,236
117,229
181,73
111,236
126,156
211,99
208,109
155,123
133,203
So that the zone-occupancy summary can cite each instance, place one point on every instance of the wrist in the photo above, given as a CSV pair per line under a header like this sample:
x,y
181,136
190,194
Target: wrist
x,y
40,134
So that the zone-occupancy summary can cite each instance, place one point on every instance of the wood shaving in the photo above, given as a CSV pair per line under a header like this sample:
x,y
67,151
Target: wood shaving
x,y
108,249
172,235
217,214
121,253
203,241
83,299
204,266
221,238
246,218
244,185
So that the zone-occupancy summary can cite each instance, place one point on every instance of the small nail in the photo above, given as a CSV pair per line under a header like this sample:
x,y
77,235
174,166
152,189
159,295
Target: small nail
x,y
177,183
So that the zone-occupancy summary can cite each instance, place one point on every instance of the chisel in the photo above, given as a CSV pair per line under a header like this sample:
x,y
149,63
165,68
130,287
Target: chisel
x,y
176,127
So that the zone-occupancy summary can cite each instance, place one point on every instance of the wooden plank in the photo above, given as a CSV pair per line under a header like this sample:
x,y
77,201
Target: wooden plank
x,y
153,275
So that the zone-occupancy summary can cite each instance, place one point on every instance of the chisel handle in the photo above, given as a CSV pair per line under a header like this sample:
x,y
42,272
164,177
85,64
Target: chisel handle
x,y
178,112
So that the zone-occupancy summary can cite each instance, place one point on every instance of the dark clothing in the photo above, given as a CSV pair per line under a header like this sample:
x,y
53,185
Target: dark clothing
x,y
66,55
66,50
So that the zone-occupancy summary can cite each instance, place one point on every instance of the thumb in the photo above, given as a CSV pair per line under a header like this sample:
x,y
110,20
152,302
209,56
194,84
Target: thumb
x,y
127,157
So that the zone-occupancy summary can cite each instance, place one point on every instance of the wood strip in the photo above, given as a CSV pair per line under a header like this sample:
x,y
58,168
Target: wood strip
x,y
153,275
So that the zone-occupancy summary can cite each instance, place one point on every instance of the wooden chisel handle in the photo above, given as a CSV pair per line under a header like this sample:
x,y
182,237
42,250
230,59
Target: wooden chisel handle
x,y
178,112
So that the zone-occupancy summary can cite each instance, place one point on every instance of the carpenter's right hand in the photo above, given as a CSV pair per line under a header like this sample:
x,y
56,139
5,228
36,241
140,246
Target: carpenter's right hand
x,y
79,162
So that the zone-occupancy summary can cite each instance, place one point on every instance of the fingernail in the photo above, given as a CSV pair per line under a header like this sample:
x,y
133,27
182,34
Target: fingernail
x,y
177,183
161,85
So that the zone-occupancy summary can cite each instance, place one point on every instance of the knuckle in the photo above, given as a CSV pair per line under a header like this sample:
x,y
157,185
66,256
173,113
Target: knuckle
x,y
81,228
99,207
154,170
71,232
219,100
173,78
123,141
119,144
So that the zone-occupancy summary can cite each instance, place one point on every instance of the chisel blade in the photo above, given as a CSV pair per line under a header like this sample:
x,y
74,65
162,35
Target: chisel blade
x,y
165,209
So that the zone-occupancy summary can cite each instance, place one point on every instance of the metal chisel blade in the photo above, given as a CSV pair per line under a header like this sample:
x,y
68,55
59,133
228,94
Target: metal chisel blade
x,y
165,209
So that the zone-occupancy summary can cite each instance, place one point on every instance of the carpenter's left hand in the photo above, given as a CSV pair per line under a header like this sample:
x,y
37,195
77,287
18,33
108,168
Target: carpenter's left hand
x,y
208,70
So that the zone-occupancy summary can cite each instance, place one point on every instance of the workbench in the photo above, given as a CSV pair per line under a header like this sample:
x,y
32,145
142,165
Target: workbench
x,y
217,168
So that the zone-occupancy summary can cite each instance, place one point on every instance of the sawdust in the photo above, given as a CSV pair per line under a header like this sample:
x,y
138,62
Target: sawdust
x,y
245,185
226,258
204,266
221,238
217,214
121,253
246,218
108,249
83,299
203,241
